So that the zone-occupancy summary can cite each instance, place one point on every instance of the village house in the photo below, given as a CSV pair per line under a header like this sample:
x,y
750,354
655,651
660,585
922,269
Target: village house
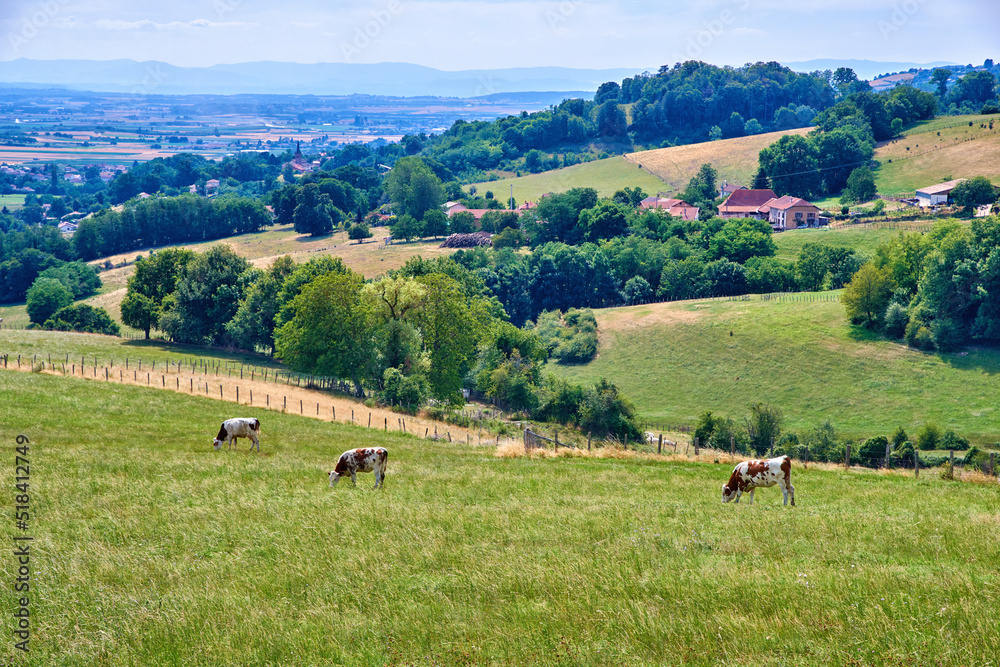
x,y
935,195
746,203
790,213
675,207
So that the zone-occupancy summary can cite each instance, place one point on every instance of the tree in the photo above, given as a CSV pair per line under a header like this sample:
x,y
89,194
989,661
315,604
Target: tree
x,y
84,318
462,222
413,187
407,227
208,294
359,232
792,167
929,436
255,321
154,279
606,220
435,223
636,290
976,191
331,331
45,297
975,87
868,295
763,426
742,238
940,77
860,186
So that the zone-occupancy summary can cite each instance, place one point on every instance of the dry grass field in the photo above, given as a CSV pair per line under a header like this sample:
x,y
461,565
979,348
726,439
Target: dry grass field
x,y
940,150
735,159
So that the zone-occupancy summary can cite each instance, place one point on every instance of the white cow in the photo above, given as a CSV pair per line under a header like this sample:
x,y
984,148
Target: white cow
x,y
239,427
748,475
364,459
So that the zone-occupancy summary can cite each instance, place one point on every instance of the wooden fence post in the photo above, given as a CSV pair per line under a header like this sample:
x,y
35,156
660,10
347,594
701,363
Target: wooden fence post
x,y
525,441
993,456
659,444
237,393
888,460
847,456
557,439
951,464
696,446
732,445
588,440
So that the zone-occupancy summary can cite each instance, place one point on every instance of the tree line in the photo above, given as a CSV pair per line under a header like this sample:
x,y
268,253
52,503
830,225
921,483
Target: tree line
x,y
426,331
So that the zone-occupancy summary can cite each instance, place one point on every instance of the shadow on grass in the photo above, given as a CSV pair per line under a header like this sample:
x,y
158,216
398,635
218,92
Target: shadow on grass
x,y
982,358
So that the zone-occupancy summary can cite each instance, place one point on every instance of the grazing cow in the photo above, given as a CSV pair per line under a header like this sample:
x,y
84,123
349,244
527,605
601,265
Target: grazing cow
x,y
364,459
748,475
240,427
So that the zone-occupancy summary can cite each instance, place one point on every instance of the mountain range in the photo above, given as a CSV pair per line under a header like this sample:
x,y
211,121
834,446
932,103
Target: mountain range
x,y
392,79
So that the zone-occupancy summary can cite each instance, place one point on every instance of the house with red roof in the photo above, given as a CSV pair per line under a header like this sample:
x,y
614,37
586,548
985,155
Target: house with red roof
x,y
746,203
675,207
790,213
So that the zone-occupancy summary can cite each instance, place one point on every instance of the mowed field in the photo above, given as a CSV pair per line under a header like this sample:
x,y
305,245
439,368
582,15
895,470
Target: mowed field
x,y
938,150
735,160
677,360
863,239
150,548
606,176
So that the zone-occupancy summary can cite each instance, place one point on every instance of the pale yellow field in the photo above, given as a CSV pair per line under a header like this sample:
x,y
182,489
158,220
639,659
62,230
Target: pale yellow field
x,y
734,159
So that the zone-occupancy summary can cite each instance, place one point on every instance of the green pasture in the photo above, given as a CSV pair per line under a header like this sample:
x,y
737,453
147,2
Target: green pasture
x,y
12,202
677,360
863,239
150,548
606,176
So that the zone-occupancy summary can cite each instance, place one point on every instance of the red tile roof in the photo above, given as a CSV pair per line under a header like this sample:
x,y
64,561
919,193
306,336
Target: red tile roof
x,y
746,197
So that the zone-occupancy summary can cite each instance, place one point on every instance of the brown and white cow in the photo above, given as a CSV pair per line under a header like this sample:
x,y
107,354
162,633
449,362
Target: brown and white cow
x,y
239,427
364,459
748,475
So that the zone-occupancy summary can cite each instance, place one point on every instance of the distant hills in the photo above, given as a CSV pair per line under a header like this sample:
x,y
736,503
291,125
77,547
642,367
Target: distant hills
x,y
393,79
865,69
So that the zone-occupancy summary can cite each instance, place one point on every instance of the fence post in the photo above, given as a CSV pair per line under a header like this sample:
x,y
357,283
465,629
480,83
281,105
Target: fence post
x,y
993,456
888,460
369,420
696,446
847,456
659,444
525,440
951,464
237,393
588,441
301,409
557,439
732,445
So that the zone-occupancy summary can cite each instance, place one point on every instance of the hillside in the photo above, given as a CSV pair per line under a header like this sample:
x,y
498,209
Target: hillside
x,y
677,360
938,150
734,159
606,176
150,548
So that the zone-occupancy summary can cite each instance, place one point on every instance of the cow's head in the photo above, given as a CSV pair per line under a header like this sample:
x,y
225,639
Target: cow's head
x,y
217,444
727,493
334,477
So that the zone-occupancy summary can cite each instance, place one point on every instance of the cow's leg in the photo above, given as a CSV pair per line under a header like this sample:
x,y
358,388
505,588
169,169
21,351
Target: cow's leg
x,y
378,477
738,494
354,477
256,443
751,495
791,489
784,494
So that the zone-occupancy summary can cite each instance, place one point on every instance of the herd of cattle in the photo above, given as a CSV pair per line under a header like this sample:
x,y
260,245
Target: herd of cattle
x,y
746,476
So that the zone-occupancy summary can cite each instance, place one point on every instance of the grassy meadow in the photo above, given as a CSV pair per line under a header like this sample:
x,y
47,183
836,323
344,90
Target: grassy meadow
x,y
677,360
939,150
150,548
863,239
606,176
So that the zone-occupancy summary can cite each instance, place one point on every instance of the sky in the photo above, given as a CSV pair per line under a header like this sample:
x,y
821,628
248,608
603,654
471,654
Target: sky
x,y
491,34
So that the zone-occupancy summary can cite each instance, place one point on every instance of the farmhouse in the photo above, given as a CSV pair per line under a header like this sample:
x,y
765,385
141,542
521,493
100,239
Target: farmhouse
x,y
746,203
790,213
934,195
674,207
451,208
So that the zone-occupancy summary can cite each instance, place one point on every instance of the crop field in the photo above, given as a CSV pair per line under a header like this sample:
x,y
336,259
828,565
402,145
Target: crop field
x,y
734,159
606,176
939,150
151,548
677,360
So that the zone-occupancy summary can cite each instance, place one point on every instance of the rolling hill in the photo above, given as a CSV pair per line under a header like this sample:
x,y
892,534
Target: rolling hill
x,y
677,360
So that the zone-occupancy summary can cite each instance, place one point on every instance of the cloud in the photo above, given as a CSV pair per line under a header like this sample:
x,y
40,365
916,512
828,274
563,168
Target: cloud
x,y
146,24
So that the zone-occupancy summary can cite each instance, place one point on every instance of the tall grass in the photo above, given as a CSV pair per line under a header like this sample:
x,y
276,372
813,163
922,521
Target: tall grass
x,y
153,549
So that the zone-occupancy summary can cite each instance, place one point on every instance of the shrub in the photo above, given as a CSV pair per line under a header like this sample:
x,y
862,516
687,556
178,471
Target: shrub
x,y
872,451
84,318
929,437
952,441
408,391
896,318
45,297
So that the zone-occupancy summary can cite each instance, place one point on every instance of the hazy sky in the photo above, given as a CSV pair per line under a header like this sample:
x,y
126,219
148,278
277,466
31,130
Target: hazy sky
x,y
460,34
